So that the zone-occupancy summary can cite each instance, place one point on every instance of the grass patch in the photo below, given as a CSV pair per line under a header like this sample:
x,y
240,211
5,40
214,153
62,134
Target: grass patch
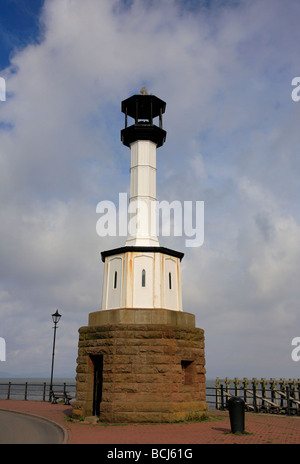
x,y
192,417
195,417
239,434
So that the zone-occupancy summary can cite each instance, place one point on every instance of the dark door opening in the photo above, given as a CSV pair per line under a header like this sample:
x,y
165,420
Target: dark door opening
x,y
98,377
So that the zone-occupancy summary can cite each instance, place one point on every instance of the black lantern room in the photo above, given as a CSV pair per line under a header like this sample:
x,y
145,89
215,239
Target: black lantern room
x,y
143,109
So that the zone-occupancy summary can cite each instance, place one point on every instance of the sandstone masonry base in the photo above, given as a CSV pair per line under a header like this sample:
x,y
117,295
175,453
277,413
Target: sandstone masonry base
x,y
150,373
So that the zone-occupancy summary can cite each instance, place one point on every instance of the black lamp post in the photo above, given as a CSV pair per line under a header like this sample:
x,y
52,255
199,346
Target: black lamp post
x,y
55,317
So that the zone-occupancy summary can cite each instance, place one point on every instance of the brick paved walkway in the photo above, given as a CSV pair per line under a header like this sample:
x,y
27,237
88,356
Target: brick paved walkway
x,y
260,428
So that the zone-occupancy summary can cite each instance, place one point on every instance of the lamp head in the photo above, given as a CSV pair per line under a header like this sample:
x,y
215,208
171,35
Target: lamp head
x,y
56,317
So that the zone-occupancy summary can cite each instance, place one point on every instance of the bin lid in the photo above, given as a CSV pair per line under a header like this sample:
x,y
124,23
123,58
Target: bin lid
x,y
235,399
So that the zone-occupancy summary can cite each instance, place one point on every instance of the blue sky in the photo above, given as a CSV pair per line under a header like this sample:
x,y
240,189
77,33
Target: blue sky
x,y
19,26
225,71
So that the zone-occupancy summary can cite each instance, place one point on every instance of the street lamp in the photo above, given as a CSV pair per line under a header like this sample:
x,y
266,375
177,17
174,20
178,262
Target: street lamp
x,y
55,317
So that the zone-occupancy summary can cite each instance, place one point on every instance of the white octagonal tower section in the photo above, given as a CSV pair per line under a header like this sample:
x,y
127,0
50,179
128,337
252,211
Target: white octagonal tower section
x,y
137,279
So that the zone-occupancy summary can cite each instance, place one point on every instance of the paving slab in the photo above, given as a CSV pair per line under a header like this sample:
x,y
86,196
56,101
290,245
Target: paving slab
x,y
259,428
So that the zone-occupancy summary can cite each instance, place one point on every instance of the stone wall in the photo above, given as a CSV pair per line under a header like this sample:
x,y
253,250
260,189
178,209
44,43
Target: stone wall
x,y
151,372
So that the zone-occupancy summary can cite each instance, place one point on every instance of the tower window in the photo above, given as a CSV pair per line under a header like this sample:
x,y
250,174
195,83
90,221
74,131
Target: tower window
x,y
170,281
115,279
143,278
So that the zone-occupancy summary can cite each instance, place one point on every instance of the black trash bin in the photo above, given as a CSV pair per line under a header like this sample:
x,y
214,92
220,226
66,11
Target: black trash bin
x,y
236,406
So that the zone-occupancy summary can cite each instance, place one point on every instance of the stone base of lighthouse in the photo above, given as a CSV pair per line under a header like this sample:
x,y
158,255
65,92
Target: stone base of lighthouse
x,y
140,365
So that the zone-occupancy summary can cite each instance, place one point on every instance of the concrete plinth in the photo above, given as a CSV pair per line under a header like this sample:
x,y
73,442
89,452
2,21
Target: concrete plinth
x,y
142,316
131,371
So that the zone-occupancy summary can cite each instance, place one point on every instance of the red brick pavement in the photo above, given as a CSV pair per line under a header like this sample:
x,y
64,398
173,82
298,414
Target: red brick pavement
x,y
259,428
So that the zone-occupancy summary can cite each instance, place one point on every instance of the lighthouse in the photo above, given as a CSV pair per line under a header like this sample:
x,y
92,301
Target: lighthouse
x,y
141,357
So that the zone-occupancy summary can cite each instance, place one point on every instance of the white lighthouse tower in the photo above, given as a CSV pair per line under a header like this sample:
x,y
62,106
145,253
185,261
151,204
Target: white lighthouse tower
x,y
142,274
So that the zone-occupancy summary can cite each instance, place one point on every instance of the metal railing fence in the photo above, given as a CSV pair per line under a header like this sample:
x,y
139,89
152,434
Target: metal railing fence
x,y
31,391
271,396
265,395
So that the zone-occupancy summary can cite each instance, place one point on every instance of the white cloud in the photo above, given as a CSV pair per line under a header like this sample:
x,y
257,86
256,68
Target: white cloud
x,y
232,142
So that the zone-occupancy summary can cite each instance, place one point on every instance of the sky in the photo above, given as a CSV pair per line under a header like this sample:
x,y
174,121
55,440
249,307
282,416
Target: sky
x,y
225,69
